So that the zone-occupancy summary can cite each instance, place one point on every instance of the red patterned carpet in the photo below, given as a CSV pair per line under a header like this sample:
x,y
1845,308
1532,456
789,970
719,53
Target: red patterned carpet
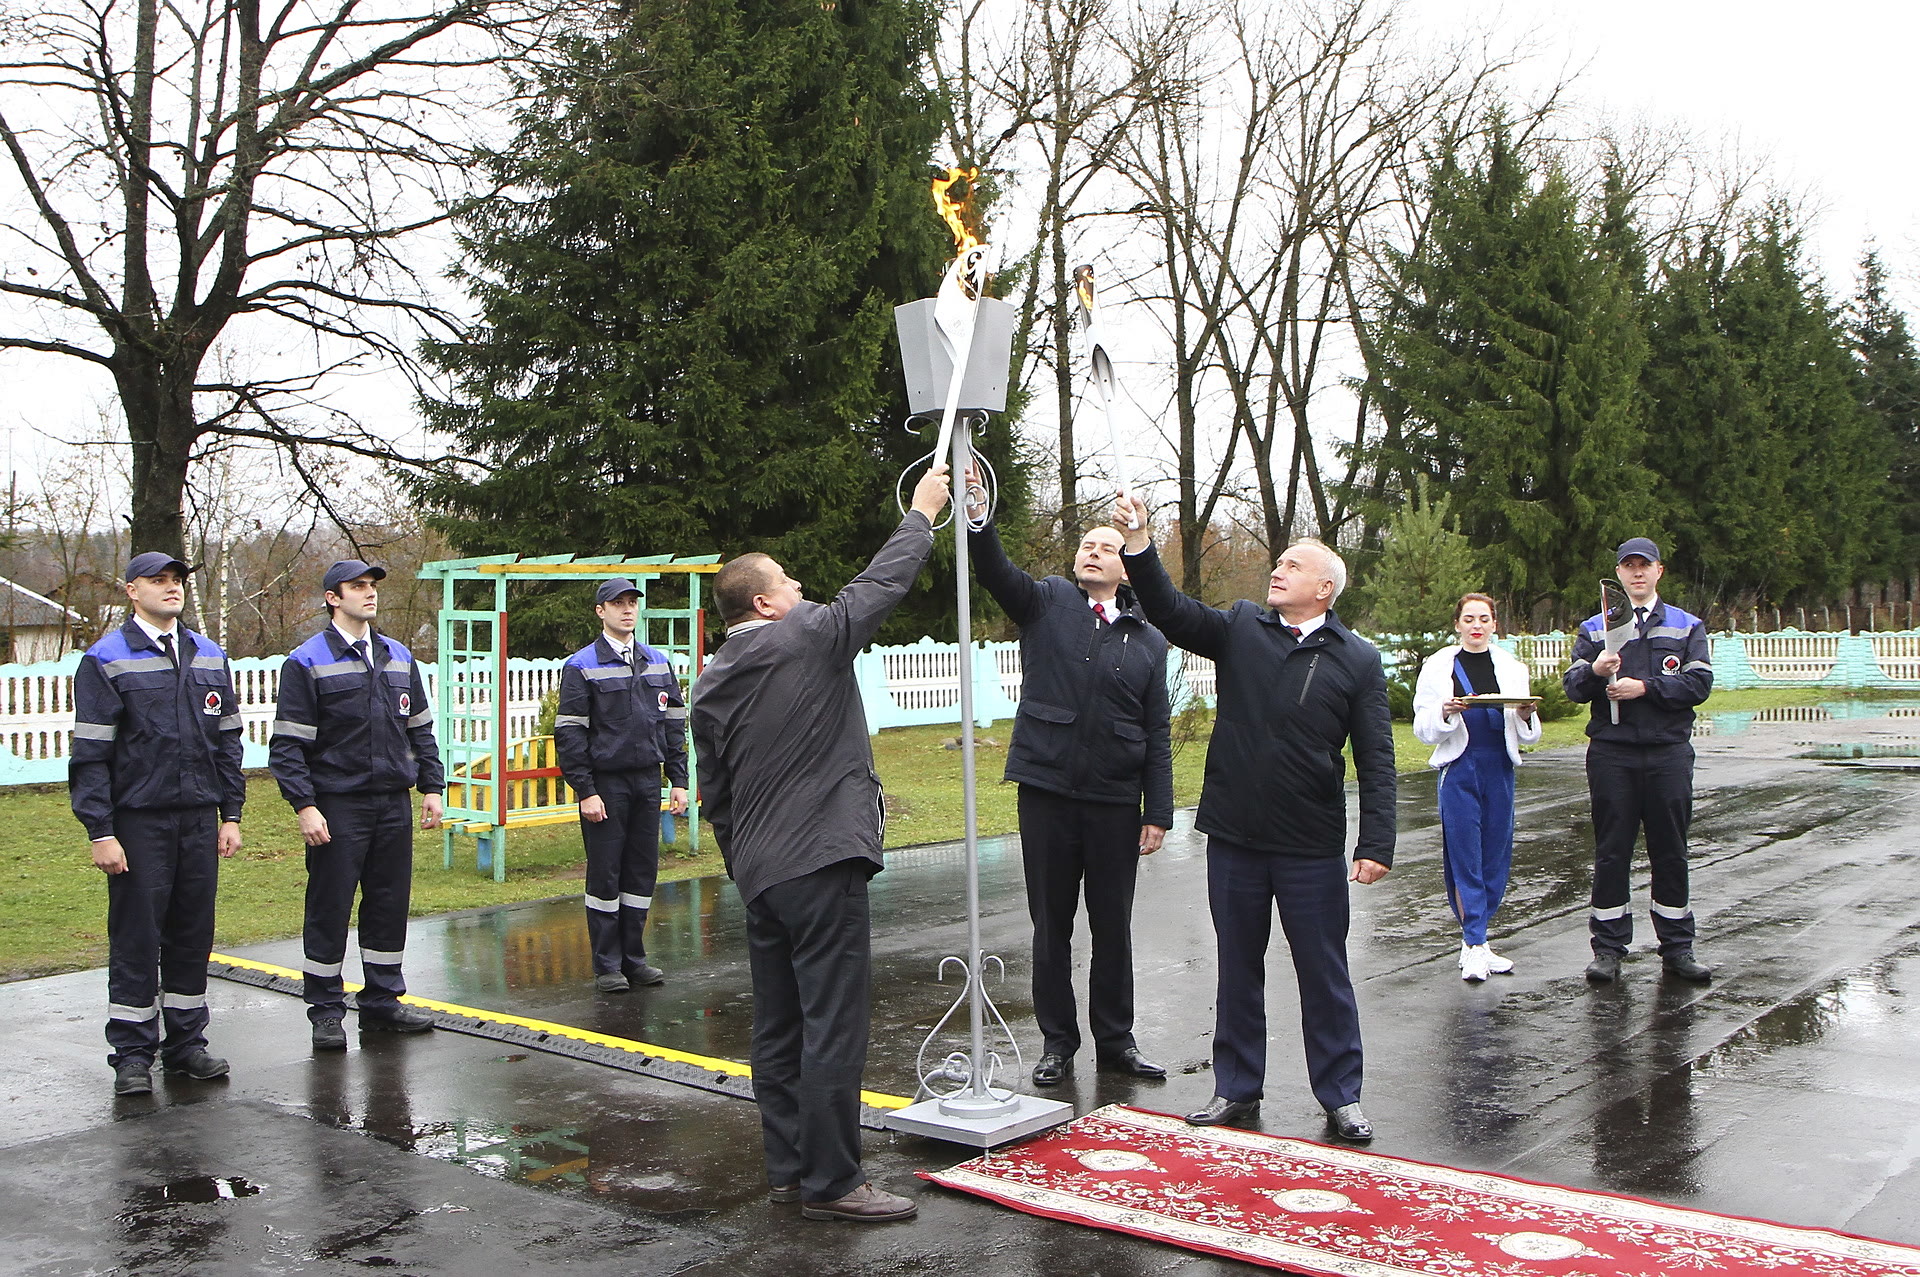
x,y
1315,1208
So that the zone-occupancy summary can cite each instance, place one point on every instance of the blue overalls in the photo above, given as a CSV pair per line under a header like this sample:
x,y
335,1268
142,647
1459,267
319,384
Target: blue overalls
x,y
1476,819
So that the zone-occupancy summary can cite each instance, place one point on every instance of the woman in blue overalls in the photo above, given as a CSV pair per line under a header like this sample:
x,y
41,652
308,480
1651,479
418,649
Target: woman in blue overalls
x,y
1476,749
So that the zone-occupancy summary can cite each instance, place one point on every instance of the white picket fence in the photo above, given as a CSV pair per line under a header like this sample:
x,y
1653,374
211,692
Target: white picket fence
x,y
919,684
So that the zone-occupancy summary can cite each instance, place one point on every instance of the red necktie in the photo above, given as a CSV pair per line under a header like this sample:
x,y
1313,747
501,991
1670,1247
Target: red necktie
x,y
1294,630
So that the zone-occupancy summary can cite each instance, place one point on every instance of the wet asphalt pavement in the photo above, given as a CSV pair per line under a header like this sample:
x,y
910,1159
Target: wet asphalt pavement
x,y
1788,1089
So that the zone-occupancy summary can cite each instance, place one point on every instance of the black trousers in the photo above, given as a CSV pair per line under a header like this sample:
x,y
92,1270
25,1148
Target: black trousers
x,y
159,931
809,946
1635,787
372,853
623,862
1243,888
1068,846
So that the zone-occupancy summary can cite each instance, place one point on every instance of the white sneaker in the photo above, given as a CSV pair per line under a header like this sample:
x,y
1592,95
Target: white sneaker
x,y
1495,963
1465,949
1473,964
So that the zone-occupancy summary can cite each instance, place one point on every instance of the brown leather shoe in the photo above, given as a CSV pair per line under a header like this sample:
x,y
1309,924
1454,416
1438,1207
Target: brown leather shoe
x,y
864,1205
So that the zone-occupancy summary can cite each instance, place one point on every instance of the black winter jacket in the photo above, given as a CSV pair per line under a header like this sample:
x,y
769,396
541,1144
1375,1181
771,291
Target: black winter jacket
x,y
1285,708
1093,697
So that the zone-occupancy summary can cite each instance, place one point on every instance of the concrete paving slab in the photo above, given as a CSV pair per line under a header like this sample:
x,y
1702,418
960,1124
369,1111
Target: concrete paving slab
x,y
1787,1089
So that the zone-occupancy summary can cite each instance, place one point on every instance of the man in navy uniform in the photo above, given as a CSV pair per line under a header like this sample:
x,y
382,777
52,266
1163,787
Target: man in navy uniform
x,y
1640,769
353,733
621,719
155,779
1295,687
1091,739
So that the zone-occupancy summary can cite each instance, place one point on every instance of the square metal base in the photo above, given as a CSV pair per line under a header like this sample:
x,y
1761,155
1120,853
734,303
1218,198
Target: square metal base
x,y
1032,1114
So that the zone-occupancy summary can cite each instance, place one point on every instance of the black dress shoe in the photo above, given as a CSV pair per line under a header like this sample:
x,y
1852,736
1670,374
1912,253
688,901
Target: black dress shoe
x,y
1224,1112
1684,966
1604,969
1132,1063
1349,1123
1053,1069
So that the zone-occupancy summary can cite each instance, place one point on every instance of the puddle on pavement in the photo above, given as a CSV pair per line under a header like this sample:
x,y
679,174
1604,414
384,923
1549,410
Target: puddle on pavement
x,y
1734,723
1866,996
185,1192
1851,750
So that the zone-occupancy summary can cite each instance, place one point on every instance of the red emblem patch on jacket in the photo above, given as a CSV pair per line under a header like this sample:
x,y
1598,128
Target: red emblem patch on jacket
x,y
406,702
212,703
663,700
1670,664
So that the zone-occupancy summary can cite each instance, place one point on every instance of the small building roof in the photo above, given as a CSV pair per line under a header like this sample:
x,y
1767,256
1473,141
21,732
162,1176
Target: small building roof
x,y
20,606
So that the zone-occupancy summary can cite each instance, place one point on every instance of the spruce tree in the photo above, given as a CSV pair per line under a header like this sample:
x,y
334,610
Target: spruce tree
x,y
1829,514
1722,470
1425,566
1890,390
686,340
1517,374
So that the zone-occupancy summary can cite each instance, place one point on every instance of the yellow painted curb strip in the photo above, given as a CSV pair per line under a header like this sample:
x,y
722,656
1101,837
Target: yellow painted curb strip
x,y
729,1067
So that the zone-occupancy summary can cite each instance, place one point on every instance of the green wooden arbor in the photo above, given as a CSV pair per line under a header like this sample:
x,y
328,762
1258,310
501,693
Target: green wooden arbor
x,y
497,780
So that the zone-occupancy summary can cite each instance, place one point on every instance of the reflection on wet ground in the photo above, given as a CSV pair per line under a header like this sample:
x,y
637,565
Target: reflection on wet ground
x,y
1789,1088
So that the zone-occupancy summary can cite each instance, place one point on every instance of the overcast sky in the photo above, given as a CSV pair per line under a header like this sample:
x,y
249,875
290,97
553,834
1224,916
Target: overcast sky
x,y
1814,88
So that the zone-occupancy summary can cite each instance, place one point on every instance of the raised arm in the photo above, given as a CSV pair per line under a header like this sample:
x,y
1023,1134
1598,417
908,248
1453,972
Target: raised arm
x,y
857,612
1187,622
1017,593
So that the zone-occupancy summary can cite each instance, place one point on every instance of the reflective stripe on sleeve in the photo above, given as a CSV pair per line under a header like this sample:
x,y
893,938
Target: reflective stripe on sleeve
x,y
1696,665
603,906
630,901
421,719
299,731
232,723
572,720
675,712
134,1015
95,731
313,967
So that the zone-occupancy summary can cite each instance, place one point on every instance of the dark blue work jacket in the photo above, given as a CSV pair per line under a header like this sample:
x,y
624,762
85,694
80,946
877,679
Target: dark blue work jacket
x,y
343,728
1671,655
616,717
146,734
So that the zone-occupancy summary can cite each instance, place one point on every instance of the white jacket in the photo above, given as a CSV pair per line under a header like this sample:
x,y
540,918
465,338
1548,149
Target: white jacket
x,y
1449,737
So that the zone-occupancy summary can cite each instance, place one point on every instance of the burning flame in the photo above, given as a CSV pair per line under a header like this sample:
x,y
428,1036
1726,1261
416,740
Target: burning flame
x,y
1083,285
957,213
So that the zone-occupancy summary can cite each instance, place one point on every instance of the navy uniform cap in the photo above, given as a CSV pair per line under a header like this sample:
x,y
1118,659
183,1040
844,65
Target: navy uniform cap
x,y
612,589
153,563
1641,546
350,570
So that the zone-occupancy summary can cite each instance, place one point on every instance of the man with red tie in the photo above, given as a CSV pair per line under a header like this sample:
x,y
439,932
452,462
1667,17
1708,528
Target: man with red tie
x,y
1090,744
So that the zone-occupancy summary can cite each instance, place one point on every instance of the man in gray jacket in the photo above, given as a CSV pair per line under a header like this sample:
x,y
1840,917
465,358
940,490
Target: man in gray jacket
x,y
786,777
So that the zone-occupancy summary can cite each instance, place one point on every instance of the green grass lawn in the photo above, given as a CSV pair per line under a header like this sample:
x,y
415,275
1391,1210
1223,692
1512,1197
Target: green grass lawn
x,y
53,901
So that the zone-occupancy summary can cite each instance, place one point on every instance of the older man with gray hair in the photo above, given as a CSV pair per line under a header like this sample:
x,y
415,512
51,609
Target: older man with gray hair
x,y
1295,686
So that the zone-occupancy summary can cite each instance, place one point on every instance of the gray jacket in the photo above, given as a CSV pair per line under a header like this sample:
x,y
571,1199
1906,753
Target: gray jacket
x,y
785,764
